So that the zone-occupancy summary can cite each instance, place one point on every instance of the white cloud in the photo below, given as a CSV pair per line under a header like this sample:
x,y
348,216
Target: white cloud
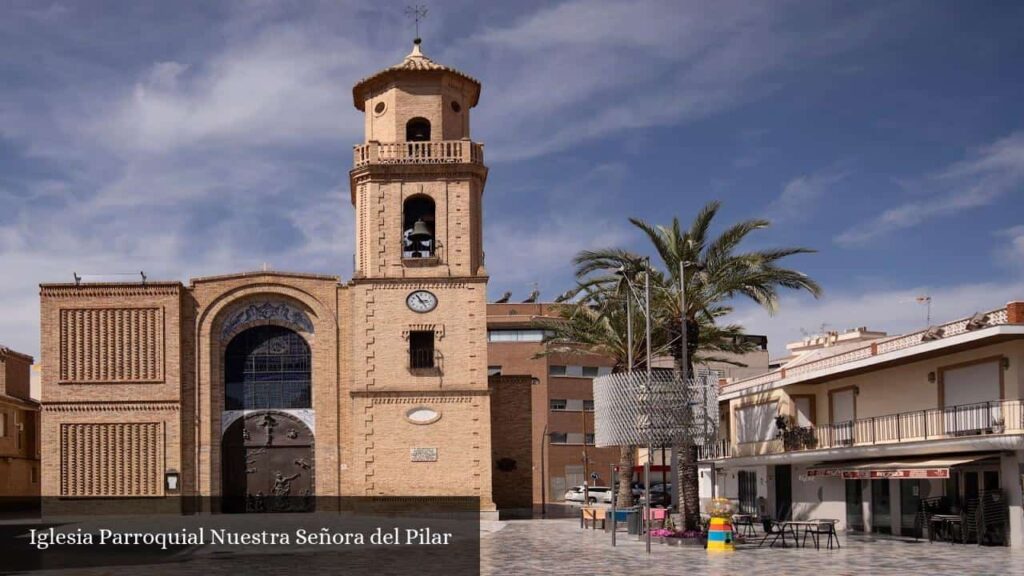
x,y
582,70
539,245
801,194
281,87
1012,253
991,173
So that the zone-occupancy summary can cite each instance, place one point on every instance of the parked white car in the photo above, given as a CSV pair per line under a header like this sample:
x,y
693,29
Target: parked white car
x,y
594,493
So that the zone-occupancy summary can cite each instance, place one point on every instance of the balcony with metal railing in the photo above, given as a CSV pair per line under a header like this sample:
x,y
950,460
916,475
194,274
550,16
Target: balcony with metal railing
x,y
966,420
878,350
429,152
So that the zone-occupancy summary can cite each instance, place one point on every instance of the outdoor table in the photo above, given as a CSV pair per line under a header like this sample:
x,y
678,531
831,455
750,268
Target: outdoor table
x,y
794,526
815,531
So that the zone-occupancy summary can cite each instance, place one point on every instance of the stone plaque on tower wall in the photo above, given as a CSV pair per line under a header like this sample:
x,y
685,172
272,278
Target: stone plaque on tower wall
x,y
423,454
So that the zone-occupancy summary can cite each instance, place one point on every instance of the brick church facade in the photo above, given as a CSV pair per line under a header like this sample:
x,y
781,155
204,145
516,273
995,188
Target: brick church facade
x,y
254,385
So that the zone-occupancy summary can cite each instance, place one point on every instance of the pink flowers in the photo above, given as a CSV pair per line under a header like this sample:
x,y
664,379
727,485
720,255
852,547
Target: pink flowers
x,y
666,533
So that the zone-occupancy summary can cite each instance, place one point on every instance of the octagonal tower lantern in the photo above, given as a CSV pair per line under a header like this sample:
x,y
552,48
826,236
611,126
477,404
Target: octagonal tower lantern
x,y
416,100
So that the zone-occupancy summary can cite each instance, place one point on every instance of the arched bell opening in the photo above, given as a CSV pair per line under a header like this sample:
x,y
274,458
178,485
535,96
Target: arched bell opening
x,y
418,228
417,130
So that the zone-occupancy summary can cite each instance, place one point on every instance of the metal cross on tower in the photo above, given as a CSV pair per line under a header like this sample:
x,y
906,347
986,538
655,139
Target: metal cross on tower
x,y
417,12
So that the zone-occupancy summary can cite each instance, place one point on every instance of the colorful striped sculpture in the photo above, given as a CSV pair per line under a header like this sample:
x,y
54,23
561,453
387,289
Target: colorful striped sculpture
x,y
720,534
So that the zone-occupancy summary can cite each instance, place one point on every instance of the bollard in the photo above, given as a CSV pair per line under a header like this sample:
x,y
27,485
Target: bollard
x,y
720,535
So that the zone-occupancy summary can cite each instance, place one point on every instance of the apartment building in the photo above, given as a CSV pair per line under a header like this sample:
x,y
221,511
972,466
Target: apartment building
x,y
19,430
876,430
561,400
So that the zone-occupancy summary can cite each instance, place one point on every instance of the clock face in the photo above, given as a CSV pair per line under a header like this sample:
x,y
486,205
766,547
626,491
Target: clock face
x,y
421,301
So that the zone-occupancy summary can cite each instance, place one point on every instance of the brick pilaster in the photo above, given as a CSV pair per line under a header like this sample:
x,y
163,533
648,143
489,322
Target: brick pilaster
x,y
1015,313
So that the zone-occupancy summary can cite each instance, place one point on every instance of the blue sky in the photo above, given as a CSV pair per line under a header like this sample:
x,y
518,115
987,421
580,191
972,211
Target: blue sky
x,y
194,138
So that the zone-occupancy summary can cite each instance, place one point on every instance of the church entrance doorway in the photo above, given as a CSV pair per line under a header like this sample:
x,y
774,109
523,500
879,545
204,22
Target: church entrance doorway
x,y
268,464
267,450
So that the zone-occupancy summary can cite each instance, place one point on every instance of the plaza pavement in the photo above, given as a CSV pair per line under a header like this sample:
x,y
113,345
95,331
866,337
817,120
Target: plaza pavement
x,y
561,547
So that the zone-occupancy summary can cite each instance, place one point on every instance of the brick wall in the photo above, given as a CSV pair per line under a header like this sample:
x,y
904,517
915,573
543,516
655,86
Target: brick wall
x,y
512,441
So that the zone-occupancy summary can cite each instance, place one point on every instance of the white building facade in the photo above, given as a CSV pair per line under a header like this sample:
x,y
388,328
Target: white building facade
x,y
881,432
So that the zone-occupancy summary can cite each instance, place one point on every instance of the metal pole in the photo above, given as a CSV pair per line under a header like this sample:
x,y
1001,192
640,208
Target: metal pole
x,y
614,498
586,467
650,422
629,363
543,477
629,332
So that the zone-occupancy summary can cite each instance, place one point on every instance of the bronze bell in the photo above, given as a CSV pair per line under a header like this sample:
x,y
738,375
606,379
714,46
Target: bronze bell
x,y
420,232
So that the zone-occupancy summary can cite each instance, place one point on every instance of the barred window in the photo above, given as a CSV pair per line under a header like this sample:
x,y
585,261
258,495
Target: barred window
x,y
267,367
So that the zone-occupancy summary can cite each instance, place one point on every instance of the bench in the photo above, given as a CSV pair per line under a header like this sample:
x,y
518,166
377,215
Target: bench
x,y
592,515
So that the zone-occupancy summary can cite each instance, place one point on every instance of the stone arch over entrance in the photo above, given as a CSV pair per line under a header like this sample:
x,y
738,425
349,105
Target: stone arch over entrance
x,y
231,305
268,464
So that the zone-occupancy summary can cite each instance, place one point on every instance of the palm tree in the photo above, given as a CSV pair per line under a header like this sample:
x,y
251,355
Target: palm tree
x,y
716,273
600,327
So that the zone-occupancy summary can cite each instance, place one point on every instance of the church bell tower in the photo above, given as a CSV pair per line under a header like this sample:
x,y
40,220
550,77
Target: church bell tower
x,y
419,356
418,169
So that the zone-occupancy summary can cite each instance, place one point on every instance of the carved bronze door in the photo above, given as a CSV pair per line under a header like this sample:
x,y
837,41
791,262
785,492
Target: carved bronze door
x,y
268,464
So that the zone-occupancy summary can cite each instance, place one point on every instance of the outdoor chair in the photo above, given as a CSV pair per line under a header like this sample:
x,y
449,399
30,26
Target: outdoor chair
x,y
771,528
658,515
743,524
823,528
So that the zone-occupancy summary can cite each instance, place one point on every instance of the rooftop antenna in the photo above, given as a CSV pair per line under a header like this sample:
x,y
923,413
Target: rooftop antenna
x,y
143,274
78,279
417,12
927,301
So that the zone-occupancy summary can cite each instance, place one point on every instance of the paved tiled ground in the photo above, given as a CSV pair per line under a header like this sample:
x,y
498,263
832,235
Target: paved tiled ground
x,y
560,547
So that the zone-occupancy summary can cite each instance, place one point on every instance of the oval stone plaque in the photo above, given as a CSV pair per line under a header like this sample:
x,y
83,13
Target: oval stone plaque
x,y
422,415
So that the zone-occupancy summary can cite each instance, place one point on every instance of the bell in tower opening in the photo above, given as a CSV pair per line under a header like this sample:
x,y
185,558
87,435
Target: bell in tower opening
x,y
417,130
418,228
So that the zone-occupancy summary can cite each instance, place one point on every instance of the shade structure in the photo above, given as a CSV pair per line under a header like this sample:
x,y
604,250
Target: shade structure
x,y
895,468
629,412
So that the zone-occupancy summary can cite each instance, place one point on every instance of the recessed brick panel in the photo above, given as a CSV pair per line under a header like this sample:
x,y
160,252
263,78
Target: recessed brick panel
x,y
111,459
111,345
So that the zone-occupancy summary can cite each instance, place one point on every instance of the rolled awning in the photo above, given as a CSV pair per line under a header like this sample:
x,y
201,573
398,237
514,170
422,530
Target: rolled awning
x,y
897,468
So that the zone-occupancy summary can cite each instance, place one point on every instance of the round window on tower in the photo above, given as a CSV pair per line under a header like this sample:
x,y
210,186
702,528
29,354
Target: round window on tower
x,y
456,107
380,108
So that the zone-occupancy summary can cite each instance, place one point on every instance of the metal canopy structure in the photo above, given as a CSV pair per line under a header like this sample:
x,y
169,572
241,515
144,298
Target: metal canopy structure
x,y
626,413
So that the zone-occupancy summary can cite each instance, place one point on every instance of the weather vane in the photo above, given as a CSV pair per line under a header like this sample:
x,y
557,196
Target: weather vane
x,y
417,12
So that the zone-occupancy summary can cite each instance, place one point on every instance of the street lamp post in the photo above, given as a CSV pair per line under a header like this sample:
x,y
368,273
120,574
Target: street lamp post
x,y
586,463
650,448
645,510
543,476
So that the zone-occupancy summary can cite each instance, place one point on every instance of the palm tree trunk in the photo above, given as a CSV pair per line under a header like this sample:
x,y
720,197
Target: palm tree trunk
x,y
685,457
626,463
690,491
